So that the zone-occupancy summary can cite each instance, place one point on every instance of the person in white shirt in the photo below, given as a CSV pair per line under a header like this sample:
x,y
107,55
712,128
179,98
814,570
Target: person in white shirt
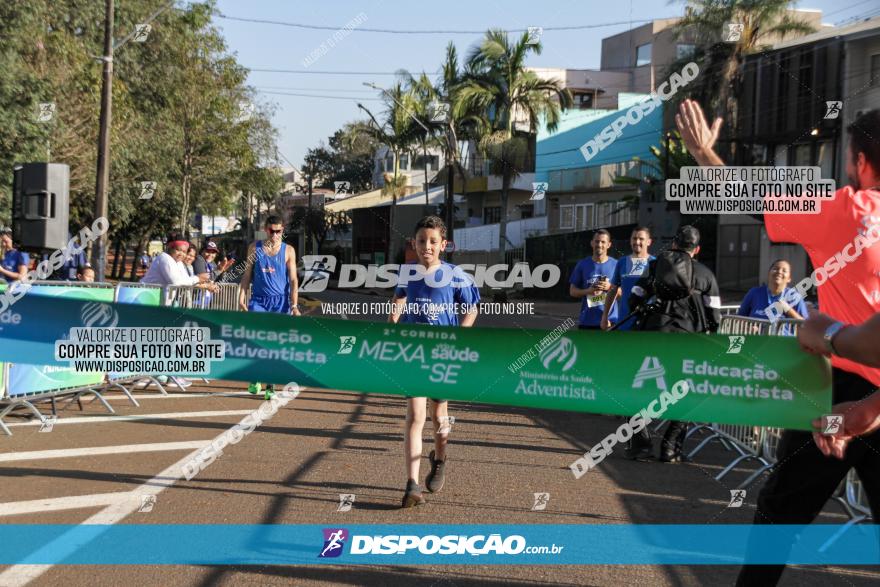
x,y
168,269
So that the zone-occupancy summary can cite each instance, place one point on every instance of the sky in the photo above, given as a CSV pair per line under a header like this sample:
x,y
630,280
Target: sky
x,y
330,100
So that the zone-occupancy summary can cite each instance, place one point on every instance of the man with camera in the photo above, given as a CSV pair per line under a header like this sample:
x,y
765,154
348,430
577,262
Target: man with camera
x,y
676,294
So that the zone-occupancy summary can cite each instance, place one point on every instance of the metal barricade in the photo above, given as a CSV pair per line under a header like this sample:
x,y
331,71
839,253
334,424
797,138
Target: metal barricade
x,y
750,443
186,296
761,443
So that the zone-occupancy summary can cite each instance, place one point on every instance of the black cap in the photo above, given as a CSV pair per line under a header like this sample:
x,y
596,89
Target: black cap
x,y
687,238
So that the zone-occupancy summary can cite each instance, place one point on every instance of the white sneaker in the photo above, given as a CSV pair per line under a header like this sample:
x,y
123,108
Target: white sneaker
x,y
182,383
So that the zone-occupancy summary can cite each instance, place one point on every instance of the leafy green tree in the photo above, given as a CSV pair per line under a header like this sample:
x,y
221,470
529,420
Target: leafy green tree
x,y
176,119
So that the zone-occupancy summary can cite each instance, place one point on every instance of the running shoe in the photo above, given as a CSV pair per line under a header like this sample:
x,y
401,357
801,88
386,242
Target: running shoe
x,y
437,475
254,388
270,391
413,495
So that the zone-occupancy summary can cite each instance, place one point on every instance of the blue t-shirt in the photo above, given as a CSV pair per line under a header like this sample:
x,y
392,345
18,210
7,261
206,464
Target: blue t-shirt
x,y
67,272
436,297
626,274
758,299
586,273
12,260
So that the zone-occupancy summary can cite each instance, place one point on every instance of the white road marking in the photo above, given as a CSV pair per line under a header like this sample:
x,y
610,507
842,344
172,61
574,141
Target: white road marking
x,y
73,502
20,575
101,450
167,416
118,396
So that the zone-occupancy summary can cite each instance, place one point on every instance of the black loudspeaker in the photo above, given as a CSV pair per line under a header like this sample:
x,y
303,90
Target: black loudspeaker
x,y
40,205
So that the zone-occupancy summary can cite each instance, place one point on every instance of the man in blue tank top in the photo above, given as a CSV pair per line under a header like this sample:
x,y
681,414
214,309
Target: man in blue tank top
x,y
270,266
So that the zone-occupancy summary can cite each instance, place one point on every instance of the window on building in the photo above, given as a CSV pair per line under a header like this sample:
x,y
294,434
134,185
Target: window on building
x,y
643,54
685,50
802,155
404,162
527,211
780,156
491,214
585,101
389,162
566,216
419,163
825,155
875,70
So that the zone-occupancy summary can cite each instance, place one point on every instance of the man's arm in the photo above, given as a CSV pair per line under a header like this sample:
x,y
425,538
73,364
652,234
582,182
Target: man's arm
x,y
245,283
859,343
294,280
698,136
613,295
712,304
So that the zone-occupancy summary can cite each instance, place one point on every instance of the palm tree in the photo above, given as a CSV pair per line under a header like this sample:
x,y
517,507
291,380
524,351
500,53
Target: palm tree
x,y
503,94
761,20
444,131
398,133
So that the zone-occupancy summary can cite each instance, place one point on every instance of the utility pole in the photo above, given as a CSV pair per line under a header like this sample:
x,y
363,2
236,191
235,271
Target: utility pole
x,y
425,155
309,214
103,176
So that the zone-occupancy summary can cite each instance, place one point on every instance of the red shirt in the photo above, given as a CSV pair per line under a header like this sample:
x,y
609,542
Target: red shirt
x,y
831,239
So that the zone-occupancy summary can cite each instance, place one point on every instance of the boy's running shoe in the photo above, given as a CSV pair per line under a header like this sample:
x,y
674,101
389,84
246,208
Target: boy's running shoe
x,y
413,495
437,475
270,391
254,388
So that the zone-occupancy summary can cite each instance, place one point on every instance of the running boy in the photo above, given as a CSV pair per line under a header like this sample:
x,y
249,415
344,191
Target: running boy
x,y
432,296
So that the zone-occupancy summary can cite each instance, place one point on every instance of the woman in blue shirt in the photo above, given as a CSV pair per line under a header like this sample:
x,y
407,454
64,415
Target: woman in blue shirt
x,y
759,298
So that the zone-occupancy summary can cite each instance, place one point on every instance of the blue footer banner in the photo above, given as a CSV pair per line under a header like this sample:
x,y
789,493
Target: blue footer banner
x,y
624,544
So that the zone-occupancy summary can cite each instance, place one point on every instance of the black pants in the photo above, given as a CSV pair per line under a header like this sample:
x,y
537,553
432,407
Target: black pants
x,y
673,439
805,479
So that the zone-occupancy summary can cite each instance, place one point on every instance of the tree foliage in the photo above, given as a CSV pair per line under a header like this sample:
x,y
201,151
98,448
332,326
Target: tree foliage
x,y
180,113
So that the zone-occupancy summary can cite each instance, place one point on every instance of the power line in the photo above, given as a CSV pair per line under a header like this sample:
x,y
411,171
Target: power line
x,y
318,96
314,89
306,71
845,8
430,32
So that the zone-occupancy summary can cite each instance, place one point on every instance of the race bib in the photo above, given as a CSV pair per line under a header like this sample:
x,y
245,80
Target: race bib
x,y
596,300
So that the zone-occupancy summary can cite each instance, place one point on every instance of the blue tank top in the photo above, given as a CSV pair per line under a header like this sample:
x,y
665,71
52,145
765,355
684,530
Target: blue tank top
x,y
270,273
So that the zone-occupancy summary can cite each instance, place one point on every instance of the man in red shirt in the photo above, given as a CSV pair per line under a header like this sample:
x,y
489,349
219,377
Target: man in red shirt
x,y
804,478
